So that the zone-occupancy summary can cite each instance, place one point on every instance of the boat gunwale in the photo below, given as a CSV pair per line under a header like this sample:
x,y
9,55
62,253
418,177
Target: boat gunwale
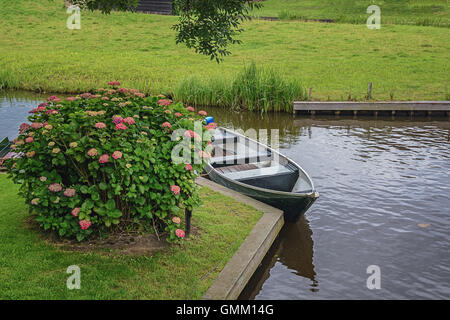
x,y
313,192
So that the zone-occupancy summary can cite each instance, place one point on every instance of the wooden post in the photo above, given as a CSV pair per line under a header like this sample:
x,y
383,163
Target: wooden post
x,y
369,91
188,216
355,113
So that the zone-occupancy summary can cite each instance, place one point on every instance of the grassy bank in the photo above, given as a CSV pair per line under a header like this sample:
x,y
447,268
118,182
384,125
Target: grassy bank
x,y
34,269
408,12
37,52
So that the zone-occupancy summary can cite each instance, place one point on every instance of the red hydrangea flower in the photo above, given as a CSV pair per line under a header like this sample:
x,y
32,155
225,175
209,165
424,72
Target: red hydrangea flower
x,y
202,113
104,158
69,192
29,140
71,98
188,167
51,111
76,211
175,189
100,125
190,109
114,83
121,126
176,220
43,105
84,224
177,114
179,233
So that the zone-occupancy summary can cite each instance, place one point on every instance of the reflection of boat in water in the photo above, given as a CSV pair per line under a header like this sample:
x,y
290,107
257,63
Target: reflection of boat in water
x,y
294,248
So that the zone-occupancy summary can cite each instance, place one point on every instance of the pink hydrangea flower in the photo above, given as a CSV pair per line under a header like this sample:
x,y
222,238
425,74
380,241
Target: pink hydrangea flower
x,y
202,113
104,158
71,98
36,125
117,119
129,120
100,125
53,99
121,126
117,155
179,233
176,220
114,83
69,192
164,102
177,114
92,152
76,211
51,111
29,140
43,105
85,95
175,189
24,127
190,109
55,187
188,167
166,125
84,224
43,179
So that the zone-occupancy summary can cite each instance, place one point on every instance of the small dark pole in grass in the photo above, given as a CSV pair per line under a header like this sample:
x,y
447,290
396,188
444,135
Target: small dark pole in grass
x,y
369,92
309,94
188,216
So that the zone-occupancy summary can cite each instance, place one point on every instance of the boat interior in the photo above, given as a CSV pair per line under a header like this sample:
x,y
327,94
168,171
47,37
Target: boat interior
x,y
252,163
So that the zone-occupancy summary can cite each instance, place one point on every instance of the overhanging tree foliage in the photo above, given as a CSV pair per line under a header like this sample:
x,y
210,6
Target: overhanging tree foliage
x,y
207,26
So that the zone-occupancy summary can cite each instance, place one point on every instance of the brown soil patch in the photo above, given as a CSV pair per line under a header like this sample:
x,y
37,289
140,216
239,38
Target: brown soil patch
x,y
118,243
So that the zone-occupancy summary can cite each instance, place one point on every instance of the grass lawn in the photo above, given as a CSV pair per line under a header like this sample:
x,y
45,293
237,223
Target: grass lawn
x,y
38,52
416,12
33,269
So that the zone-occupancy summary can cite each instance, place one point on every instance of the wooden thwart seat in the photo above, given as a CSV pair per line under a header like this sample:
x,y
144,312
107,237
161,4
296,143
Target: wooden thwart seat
x,y
259,172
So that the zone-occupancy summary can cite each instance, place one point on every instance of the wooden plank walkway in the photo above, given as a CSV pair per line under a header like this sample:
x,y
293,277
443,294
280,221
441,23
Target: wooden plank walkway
x,y
392,106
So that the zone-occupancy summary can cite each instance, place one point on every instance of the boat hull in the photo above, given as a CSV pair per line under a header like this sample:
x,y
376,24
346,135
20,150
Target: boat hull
x,y
293,205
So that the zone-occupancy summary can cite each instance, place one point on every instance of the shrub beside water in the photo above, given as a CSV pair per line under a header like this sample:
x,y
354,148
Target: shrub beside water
x,y
100,163
262,89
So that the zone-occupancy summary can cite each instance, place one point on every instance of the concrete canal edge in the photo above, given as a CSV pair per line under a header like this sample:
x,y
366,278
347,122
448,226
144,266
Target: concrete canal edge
x,y
240,268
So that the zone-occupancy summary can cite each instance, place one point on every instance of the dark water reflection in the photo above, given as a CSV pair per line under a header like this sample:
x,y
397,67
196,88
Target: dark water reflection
x,y
378,180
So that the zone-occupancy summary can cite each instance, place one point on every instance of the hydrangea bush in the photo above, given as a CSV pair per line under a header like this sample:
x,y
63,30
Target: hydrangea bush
x,y
101,162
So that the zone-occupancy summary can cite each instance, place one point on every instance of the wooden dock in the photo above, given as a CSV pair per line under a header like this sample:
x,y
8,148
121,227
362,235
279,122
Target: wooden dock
x,y
441,108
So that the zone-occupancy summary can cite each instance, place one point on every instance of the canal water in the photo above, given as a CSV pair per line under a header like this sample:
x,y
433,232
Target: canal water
x,y
384,201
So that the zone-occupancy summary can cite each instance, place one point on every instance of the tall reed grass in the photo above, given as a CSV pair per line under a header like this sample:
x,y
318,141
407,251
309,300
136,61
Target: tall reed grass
x,y
254,88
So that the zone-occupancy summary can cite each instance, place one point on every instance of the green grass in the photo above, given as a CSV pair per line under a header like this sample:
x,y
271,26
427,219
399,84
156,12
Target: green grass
x,y
37,52
410,12
33,269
